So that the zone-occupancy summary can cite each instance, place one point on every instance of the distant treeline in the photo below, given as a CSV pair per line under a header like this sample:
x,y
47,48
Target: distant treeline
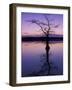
x,y
42,38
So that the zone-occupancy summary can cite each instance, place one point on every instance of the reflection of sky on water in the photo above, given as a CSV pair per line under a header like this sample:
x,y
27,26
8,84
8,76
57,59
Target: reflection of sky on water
x,y
32,53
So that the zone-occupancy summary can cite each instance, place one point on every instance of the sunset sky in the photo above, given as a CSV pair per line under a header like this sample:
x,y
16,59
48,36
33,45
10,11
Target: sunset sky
x,y
28,28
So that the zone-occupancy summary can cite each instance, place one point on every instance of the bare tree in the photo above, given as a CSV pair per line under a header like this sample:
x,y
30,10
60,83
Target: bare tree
x,y
44,27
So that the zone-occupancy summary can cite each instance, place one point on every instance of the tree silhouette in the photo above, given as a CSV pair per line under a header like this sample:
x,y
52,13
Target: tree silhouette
x,y
44,27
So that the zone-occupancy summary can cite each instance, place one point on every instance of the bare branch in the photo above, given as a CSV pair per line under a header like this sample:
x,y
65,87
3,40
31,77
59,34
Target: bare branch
x,y
48,23
38,23
41,28
56,26
43,31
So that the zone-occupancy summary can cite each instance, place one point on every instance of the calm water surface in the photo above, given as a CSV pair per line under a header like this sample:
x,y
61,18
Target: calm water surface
x,y
37,61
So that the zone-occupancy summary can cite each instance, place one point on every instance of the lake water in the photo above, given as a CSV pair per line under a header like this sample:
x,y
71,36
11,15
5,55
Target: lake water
x,y
38,61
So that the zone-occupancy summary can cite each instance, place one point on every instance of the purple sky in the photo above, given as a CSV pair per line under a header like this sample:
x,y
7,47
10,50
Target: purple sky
x,y
27,28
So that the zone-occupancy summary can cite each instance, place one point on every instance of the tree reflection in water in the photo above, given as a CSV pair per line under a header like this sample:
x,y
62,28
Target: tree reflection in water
x,y
46,67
